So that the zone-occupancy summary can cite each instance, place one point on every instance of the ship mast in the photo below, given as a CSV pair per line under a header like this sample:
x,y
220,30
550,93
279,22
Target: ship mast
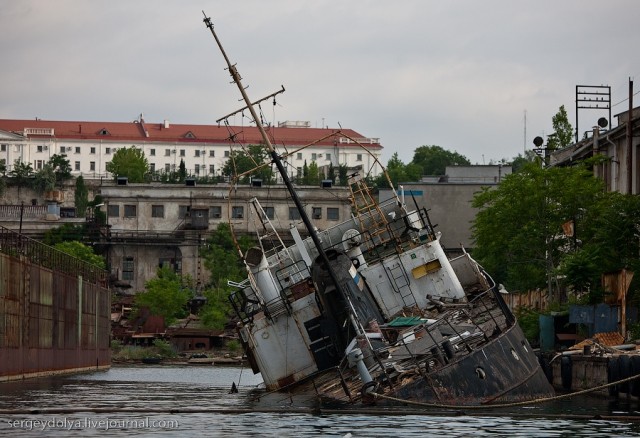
x,y
283,173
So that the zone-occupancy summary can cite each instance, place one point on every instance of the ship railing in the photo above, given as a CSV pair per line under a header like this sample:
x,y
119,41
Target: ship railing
x,y
245,302
18,245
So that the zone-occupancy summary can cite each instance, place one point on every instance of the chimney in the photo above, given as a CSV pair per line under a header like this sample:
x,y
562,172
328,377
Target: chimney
x,y
79,128
166,124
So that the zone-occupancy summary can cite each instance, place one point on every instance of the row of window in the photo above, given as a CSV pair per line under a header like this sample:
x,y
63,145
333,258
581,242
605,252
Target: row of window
x,y
215,212
181,152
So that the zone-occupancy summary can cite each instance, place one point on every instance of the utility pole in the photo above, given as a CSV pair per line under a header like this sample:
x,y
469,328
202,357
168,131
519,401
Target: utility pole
x,y
630,140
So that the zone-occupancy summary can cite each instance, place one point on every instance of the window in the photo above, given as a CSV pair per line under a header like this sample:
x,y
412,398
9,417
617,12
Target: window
x,y
314,157
107,151
270,212
167,152
327,157
157,211
77,149
152,167
113,210
183,211
215,212
38,164
127,268
3,148
299,156
182,152
333,214
358,157
226,154
197,153
152,152
40,148
237,212
212,153
129,211
92,166
197,169
294,214
316,212
92,150
77,165
167,167
212,169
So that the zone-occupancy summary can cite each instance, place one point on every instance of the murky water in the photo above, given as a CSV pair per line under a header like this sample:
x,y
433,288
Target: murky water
x,y
195,401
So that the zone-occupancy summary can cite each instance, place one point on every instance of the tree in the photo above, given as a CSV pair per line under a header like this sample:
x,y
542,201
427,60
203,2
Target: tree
x,y
313,175
399,172
518,230
166,295
129,162
223,261
182,171
65,232
44,179
81,251
61,168
520,161
433,159
607,240
243,161
81,197
343,171
563,131
21,174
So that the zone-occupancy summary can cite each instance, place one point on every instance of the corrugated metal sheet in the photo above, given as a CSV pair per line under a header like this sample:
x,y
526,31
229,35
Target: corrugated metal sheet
x,y
54,311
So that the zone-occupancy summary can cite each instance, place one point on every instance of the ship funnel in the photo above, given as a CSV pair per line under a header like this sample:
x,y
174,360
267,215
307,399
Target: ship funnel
x,y
257,263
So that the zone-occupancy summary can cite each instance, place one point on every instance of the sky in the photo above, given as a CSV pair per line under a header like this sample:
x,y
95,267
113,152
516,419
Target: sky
x,y
478,77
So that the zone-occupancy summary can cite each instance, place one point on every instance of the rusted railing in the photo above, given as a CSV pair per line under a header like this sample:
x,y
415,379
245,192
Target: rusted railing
x,y
36,252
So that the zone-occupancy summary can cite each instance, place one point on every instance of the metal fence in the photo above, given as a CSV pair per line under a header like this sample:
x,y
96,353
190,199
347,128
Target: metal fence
x,y
38,253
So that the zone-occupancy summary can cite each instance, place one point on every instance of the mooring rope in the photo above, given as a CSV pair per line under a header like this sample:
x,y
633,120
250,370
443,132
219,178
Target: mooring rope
x,y
506,405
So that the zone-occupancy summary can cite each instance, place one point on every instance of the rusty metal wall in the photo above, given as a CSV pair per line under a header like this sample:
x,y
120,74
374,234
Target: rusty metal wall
x,y
51,321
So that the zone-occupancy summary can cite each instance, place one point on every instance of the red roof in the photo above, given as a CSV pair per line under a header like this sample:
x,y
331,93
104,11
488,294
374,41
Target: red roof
x,y
135,132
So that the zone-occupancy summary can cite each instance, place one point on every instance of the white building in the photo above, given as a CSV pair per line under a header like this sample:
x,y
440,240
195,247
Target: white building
x,y
89,146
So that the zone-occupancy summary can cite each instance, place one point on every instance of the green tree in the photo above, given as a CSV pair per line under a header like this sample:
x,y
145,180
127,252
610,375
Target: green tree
x,y
21,174
81,251
521,161
313,175
563,131
518,230
331,174
399,172
129,162
182,171
433,159
81,197
61,168
223,261
607,240
343,173
242,162
65,232
44,179
166,295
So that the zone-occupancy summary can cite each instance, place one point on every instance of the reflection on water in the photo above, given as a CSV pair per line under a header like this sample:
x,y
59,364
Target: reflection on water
x,y
195,401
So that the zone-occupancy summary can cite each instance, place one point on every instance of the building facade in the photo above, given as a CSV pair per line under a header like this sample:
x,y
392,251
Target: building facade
x,y
619,145
204,149
448,200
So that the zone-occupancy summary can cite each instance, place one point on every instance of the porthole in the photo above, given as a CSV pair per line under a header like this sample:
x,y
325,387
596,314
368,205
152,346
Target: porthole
x,y
480,373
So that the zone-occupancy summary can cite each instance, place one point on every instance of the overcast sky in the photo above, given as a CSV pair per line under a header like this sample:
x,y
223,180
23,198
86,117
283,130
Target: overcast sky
x,y
458,74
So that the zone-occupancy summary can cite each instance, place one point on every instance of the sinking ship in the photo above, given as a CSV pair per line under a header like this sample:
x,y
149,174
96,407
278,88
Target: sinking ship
x,y
372,310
